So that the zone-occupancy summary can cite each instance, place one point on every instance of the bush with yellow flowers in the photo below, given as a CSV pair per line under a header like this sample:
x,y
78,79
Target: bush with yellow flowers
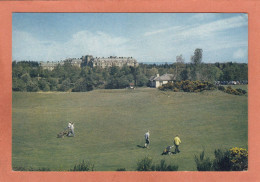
x,y
239,159
238,91
234,159
188,86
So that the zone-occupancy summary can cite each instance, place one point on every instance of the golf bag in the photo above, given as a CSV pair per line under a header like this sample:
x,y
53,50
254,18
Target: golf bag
x,y
63,133
167,150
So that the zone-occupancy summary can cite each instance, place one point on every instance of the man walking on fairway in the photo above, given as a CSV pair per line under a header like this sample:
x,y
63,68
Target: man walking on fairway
x,y
147,139
69,125
177,142
72,129
67,129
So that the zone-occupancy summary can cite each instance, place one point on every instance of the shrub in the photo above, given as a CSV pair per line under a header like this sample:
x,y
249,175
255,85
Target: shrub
x,y
168,86
239,159
196,91
65,85
230,90
222,160
82,85
164,167
243,92
19,168
161,87
176,90
18,85
221,88
40,169
145,164
202,163
121,169
234,159
31,169
238,91
188,86
32,86
83,166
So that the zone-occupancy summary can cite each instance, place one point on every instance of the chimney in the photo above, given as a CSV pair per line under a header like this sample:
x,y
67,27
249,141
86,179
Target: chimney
x,y
157,75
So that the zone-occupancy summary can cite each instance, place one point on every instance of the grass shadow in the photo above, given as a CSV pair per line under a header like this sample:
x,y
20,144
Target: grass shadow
x,y
140,146
170,153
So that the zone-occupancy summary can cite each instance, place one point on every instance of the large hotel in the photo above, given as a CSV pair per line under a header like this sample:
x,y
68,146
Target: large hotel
x,y
93,62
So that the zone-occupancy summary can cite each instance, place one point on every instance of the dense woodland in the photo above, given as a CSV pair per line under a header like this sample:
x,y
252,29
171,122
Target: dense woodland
x,y
29,76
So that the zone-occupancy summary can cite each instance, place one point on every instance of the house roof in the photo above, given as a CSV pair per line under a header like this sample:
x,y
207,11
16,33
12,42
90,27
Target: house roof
x,y
165,77
152,78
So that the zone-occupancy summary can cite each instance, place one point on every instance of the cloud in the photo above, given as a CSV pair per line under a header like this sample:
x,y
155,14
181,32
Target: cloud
x,y
203,30
213,28
202,16
162,44
98,43
174,28
240,54
28,47
213,36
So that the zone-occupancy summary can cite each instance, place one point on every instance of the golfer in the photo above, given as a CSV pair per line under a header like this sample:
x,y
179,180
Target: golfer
x,y
177,142
72,129
147,139
69,126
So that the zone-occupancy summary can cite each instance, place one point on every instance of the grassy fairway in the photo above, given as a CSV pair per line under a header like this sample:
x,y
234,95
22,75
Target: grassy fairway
x,y
109,124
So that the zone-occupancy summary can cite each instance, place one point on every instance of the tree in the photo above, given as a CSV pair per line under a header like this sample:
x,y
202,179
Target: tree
x,y
83,85
210,72
114,70
26,78
180,59
34,72
65,85
141,80
196,60
235,71
197,57
122,82
53,83
125,70
32,86
179,62
43,85
151,72
184,75
18,85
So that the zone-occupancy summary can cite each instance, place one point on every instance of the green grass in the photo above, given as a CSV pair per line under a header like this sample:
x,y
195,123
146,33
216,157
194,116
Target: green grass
x,y
109,124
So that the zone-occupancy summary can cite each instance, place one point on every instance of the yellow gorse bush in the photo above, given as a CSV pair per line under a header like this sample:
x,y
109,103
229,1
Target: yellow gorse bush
x,y
188,86
239,158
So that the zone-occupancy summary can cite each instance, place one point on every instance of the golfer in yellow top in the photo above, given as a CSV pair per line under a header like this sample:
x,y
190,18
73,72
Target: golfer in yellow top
x,y
177,142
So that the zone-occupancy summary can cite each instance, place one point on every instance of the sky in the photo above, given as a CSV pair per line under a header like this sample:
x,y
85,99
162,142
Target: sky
x,y
147,37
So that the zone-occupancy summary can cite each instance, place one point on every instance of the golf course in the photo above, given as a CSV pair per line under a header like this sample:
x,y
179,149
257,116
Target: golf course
x,y
110,125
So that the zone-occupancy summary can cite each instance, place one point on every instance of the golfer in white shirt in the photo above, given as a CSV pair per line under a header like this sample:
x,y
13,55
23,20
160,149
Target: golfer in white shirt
x,y
147,139
72,128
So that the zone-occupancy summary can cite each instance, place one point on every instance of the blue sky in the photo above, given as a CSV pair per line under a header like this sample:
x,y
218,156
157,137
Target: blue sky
x,y
148,37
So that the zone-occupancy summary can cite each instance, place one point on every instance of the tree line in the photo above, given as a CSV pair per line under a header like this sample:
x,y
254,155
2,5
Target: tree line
x,y
30,76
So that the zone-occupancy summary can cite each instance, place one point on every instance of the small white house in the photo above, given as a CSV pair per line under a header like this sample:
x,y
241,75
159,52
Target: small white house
x,y
156,81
